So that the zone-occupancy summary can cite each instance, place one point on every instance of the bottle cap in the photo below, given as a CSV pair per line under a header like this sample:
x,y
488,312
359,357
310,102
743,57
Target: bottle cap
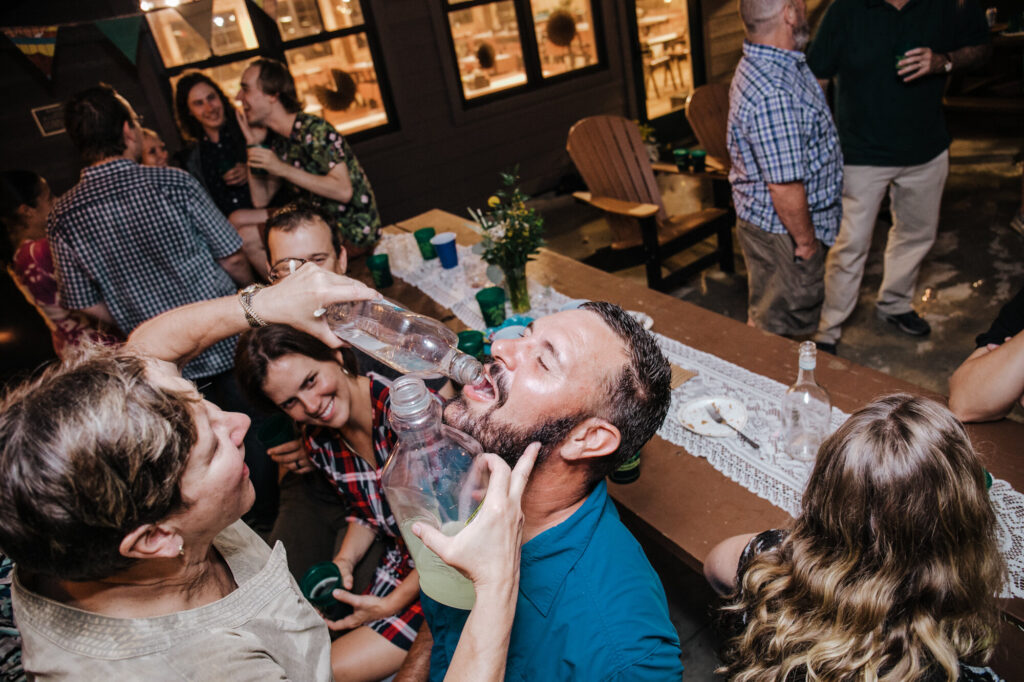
x,y
808,355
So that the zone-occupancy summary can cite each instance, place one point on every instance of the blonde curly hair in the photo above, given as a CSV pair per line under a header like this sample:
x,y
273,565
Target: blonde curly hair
x,y
892,566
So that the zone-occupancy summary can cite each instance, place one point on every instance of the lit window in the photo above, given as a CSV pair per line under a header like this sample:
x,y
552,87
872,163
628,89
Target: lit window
x,y
180,41
300,18
488,48
336,80
663,27
565,35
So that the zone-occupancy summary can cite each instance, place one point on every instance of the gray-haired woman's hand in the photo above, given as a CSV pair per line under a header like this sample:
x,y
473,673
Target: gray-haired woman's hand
x,y
296,299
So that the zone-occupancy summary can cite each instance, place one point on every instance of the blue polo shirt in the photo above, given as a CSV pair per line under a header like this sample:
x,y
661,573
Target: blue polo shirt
x,y
590,607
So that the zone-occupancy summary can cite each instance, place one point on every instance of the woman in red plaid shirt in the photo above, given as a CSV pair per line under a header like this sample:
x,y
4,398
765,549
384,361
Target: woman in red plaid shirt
x,y
346,436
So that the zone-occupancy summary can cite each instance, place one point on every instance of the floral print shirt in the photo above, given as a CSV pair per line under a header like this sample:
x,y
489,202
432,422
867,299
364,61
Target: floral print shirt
x,y
33,272
316,147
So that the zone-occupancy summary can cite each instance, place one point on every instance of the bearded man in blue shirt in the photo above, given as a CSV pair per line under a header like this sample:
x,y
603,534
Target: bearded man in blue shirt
x,y
592,387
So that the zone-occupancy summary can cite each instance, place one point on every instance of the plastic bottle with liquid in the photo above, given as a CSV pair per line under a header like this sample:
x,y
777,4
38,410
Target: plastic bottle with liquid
x,y
806,409
434,475
405,341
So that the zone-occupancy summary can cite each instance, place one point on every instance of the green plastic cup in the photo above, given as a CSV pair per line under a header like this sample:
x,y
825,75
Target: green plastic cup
x,y
423,237
698,159
380,270
277,429
317,585
471,342
492,305
682,159
628,472
258,171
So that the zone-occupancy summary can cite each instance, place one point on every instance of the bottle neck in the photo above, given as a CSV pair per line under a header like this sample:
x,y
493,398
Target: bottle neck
x,y
462,368
421,428
805,375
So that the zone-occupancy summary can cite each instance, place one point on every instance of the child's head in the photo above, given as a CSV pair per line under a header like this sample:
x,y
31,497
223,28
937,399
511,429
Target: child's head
x,y
154,151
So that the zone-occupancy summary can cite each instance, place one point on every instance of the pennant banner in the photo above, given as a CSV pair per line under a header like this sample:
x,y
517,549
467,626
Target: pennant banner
x,y
38,43
123,32
199,16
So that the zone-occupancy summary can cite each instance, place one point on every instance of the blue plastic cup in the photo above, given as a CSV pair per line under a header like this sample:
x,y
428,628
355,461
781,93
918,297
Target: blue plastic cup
x,y
444,244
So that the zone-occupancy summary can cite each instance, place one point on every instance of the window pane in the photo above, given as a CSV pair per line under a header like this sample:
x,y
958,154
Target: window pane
x,y
177,41
298,18
665,46
341,14
232,29
336,80
487,47
565,35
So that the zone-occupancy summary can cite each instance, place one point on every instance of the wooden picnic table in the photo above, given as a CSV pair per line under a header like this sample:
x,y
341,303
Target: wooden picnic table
x,y
680,501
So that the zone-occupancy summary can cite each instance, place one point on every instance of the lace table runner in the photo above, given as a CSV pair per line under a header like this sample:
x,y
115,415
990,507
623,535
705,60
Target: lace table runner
x,y
768,472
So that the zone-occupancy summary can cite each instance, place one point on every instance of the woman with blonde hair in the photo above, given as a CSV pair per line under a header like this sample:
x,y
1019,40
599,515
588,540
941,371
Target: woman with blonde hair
x,y
891,570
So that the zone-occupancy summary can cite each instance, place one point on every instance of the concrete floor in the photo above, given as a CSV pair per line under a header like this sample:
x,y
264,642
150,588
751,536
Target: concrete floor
x,y
973,269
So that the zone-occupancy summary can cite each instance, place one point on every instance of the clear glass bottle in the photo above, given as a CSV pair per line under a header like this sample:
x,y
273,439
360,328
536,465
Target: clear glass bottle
x,y
406,341
806,409
435,476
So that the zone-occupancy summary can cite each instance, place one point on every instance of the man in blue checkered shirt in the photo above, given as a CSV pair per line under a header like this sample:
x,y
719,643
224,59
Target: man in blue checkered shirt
x,y
787,169
132,241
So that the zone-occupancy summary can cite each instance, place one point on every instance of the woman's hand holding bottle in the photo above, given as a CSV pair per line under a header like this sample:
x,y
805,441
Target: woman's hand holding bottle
x,y
296,299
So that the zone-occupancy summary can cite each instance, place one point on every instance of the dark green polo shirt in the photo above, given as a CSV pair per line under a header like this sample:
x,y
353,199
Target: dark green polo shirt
x,y
883,121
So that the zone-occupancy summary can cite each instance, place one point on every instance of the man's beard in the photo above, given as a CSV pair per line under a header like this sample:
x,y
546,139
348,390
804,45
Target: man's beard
x,y
801,35
505,440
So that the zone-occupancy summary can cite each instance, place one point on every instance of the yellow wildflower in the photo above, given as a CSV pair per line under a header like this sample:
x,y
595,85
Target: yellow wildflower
x,y
493,201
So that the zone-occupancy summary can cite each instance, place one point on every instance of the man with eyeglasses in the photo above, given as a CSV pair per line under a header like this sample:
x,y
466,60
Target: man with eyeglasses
x,y
299,234
131,241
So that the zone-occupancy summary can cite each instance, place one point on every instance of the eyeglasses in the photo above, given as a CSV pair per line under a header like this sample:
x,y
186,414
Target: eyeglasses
x,y
287,266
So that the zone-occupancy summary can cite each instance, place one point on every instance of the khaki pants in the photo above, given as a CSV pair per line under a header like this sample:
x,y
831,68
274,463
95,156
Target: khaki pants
x,y
915,193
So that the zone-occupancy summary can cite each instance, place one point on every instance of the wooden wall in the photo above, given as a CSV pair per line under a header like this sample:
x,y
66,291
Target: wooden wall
x,y
442,156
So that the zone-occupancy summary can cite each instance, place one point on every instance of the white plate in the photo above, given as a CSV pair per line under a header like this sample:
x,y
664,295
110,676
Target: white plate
x,y
643,318
694,416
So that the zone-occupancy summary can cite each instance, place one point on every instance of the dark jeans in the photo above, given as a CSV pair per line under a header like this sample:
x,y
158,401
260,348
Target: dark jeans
x,y
223,391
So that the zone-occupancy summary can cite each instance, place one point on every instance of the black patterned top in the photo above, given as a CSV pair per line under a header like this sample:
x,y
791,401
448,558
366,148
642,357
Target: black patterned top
x,y
316,147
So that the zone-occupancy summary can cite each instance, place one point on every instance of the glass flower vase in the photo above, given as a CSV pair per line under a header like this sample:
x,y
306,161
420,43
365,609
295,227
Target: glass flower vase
x,y
518,293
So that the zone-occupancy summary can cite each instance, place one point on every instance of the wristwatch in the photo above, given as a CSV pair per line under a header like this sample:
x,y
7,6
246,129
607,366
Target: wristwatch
x,y
948,66
245,299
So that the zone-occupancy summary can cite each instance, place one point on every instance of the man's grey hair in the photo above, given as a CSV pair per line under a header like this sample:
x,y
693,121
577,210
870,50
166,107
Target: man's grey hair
x,y
759,15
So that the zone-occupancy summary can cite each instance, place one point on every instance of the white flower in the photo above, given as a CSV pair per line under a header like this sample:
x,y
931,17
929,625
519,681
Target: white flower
x,y
497,232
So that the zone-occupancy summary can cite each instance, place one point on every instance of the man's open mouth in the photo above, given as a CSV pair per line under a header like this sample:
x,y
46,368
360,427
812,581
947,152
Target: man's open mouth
x,y
484,390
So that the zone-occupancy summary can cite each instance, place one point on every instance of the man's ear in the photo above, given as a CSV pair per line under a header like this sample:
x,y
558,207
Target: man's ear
x,y
593,437
151,541
342,260
789,14
130,133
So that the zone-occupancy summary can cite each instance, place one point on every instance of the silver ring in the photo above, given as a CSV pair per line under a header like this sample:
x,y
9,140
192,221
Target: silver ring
x,y
319,312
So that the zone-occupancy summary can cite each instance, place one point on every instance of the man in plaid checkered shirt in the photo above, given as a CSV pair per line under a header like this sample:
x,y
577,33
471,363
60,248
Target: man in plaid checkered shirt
x,y
132,241
787,169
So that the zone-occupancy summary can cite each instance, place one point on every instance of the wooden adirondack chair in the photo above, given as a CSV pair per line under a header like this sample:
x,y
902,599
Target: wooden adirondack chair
x,y
610,155
707,111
